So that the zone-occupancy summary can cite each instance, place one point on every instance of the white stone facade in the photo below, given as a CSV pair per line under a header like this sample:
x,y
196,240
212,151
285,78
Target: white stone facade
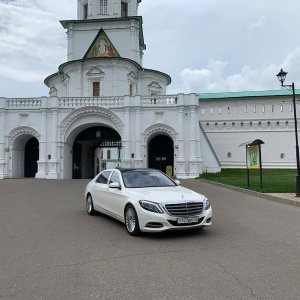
x,y
103,98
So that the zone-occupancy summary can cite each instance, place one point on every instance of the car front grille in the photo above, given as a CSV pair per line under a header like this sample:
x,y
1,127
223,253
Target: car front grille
x,y
184,209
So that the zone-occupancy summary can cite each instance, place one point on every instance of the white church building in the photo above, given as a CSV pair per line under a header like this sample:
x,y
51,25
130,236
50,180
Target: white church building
x,y
105,109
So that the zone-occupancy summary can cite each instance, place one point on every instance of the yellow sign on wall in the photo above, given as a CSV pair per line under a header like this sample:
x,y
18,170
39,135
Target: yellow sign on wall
x,y
169,170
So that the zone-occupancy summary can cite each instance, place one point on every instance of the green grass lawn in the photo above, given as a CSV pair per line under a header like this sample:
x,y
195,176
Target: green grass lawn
x,y
273,180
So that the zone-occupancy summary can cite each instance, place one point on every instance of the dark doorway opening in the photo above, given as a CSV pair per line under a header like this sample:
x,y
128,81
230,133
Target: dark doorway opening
x,y
161,153
85,163
31,157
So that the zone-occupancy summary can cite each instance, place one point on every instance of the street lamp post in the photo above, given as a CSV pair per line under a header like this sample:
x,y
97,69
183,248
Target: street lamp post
x,y
291,87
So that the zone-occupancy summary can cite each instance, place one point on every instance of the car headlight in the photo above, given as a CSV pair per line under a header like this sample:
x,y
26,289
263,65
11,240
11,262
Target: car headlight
x,y
151,206
206,204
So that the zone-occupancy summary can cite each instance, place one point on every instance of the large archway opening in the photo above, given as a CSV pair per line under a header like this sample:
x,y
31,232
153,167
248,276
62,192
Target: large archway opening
x,y
161,154
95,149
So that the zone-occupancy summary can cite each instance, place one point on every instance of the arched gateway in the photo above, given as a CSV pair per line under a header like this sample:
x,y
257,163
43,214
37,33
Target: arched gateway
x,y
89,134
94,149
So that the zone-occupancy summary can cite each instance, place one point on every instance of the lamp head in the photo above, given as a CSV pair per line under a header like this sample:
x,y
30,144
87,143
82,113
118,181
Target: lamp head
x,y
281,76
98,135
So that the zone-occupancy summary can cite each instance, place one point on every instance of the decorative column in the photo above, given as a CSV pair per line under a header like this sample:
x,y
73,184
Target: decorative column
x,y
80,81
199,153
70,42
138,143
53,163
2,144
193,145
42,145
133,53
180,173
126,140
115,79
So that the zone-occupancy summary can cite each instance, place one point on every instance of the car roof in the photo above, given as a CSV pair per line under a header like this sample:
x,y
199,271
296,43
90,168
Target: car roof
x,y
137,169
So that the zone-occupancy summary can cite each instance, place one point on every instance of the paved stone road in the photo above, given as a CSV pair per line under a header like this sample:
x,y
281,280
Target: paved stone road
x,y
51,249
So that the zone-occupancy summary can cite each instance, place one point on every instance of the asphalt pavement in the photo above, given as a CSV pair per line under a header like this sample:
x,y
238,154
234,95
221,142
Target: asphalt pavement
x,y
51,249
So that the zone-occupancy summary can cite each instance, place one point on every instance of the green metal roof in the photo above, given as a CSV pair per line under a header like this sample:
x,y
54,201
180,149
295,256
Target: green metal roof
x,y
205,96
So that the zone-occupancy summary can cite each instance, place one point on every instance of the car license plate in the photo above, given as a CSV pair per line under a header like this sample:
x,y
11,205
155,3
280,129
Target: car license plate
x,y
187,220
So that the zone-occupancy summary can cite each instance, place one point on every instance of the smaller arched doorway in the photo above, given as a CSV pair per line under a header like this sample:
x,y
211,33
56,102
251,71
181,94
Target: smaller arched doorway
x,y
24,156
31,157
161,154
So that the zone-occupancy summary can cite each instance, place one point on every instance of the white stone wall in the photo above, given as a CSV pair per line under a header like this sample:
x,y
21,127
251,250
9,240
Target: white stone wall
x,y
230,122
225,125
56,122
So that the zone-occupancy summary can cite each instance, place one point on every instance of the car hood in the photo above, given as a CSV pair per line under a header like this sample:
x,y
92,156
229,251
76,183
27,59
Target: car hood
x,y
165,194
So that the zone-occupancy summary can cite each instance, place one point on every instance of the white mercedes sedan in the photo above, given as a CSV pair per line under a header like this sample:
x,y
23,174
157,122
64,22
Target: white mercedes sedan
x,y
146,200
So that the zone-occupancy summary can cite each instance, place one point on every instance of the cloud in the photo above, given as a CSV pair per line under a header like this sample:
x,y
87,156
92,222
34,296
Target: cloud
x,y
257,26
213,78
204,45
32,42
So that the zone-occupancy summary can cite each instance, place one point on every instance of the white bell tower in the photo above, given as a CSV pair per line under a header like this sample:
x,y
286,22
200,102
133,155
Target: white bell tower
x,y
105,53
119,21
100,9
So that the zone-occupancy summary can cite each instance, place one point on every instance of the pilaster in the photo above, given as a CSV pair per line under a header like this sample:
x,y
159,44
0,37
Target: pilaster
x,y
2,145
126,141
138,162
193,164
181,173
53,163
42,163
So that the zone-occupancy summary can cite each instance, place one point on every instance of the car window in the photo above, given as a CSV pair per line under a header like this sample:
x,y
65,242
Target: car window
x,y
140,179
103,177
115,177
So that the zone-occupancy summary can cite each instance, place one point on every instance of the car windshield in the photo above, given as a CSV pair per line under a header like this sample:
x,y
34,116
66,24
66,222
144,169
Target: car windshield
x,y
145,178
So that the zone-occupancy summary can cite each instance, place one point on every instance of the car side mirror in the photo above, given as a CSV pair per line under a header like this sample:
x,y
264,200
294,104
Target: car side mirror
x,y
177,182
115,185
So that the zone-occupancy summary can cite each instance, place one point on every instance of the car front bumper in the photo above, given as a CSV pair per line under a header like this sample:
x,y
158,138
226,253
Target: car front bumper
x,y
155,222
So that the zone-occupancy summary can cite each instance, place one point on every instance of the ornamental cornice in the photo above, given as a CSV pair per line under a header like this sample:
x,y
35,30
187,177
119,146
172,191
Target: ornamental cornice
x,y
159,128
53,91
132,76
85,111
21,131
95,71
155,84
100,67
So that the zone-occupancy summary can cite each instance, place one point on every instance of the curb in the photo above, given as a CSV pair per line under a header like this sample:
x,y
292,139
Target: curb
x,y
254,193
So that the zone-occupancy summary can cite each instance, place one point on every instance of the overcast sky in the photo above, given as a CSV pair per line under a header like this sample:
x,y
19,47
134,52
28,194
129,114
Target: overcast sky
x,y
204,45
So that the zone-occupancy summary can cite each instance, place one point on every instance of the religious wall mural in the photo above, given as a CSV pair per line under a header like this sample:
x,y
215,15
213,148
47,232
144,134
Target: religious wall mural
x,y
101,47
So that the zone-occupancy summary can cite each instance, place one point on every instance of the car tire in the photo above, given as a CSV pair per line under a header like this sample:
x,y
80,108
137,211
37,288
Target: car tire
x,y
90,205
132,221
